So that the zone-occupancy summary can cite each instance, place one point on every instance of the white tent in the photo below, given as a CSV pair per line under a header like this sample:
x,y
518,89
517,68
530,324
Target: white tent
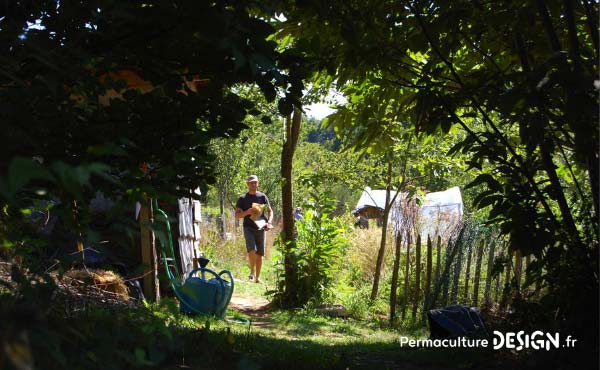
x,y
439,212
375,198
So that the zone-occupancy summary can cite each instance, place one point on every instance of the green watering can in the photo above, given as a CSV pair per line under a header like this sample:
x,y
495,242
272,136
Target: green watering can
x,y
207,296
197,294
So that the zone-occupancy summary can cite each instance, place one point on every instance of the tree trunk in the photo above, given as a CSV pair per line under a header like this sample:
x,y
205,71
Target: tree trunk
x,y
386,212
394,287
288,233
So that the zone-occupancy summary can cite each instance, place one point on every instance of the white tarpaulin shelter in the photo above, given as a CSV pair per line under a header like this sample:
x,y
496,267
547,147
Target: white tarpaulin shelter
x,y
374,198
439,211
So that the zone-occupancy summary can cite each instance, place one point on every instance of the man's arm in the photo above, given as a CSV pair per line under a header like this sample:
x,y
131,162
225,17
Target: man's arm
x,y
241,214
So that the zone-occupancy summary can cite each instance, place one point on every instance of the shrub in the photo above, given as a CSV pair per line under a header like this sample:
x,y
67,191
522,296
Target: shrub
x,y
318,247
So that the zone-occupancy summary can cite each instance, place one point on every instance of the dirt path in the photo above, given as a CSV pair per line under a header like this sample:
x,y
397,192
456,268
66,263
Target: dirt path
x,y
256,307
250,305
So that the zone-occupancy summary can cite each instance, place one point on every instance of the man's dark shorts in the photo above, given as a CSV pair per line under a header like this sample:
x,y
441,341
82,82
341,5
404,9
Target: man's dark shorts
x,y
255,240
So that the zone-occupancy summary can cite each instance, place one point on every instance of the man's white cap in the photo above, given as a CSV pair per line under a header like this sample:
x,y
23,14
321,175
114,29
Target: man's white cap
x,y
252,178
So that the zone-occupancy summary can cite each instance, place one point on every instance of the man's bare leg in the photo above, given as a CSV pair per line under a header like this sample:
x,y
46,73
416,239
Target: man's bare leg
x,y
252,259
258,262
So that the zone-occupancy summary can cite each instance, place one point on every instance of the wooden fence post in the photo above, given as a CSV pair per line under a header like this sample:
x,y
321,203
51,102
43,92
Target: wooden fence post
x,y
406,276
149,258
468,273
478,272
439,259
487,296
457,268
428,268
417,289
506,289
518,269
527,262
394,287
445,275
497,288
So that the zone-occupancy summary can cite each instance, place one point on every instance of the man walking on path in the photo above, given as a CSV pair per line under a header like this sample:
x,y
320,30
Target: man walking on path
x,y
252,207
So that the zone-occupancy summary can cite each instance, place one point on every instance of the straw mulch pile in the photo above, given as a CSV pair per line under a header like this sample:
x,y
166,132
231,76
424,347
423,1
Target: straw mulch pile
x,y
80,289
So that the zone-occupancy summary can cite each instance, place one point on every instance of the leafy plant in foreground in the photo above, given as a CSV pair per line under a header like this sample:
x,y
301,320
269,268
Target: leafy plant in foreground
x,y
316,252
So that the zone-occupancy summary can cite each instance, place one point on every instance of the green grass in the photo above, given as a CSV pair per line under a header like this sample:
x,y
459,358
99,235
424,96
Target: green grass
x,y
303,339
300,339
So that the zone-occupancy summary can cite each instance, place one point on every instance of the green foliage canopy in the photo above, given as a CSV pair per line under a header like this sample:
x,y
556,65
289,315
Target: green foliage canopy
x,y
517,77
61,64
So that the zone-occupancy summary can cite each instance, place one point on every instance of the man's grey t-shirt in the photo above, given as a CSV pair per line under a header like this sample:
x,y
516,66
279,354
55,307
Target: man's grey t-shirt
x,y
245,202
